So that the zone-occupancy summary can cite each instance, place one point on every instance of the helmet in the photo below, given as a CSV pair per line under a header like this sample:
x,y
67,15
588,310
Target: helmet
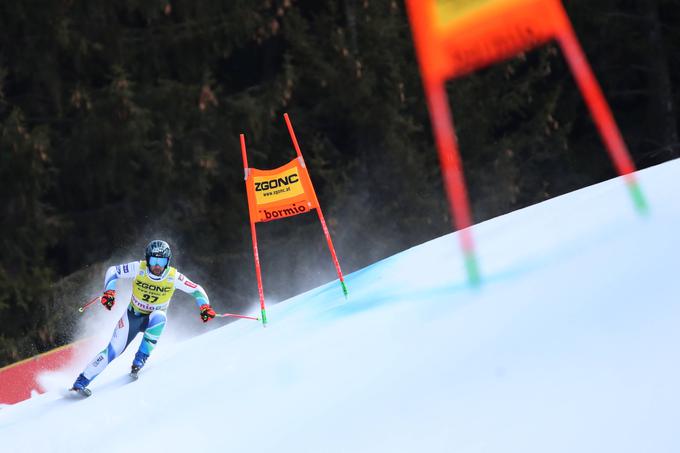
x,y
159,249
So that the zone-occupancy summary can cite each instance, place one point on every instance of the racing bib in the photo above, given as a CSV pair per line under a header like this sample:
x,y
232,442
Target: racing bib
x,y
150,295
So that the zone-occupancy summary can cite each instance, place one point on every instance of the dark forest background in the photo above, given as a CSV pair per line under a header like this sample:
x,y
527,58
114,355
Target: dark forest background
x,y
119,123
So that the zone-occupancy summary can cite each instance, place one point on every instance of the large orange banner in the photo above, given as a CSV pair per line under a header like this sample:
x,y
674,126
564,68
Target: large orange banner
x,y
455,37
283,192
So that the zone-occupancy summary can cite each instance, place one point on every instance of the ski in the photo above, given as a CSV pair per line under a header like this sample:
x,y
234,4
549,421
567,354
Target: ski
x,y
84,392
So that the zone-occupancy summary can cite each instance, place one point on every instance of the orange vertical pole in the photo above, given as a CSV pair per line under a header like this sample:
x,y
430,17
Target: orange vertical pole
x,y
253,233
318,208
600,111
452,172
433,67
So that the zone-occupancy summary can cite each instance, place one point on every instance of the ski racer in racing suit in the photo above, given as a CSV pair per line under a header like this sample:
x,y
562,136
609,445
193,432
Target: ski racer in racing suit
x,y
153,283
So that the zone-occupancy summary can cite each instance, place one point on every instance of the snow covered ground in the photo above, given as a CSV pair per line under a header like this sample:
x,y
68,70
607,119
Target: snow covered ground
x,y
571,345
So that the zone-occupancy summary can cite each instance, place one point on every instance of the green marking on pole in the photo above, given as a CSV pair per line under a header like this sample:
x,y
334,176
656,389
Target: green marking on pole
x,y
474,277
638,198
344,288
264,318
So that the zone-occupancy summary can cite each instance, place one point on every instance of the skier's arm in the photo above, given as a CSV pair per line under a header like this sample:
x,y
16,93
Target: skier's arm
x,y
196,291
185,285
128,270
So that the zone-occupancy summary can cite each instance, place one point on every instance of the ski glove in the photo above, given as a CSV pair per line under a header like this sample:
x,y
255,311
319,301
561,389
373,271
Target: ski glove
x,y
207,313
109,298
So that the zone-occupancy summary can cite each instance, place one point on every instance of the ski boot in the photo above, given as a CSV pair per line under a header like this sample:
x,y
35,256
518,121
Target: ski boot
x,y
80,386
138,363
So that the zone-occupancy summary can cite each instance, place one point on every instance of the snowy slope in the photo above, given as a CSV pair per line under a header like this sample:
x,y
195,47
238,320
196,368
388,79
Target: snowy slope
x,y
571,345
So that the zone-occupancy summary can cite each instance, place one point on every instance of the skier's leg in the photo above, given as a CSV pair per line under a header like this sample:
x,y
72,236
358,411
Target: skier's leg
x,y
126,330
152,332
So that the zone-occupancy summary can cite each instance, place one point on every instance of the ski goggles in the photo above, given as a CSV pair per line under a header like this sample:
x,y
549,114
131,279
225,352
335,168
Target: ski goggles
x,y
158,261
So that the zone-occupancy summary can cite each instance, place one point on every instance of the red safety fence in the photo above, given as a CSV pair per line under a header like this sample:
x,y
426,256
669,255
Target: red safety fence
x,y
19,380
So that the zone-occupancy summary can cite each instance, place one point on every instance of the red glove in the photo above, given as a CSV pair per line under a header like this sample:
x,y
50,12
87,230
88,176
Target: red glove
x,y
207,313
109,298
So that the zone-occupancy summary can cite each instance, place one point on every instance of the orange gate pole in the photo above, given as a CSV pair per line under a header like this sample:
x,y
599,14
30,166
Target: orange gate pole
x,y
318,208
600,111
253,233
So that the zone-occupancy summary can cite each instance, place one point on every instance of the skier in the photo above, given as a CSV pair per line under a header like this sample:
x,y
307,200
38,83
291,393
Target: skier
x,y
154,282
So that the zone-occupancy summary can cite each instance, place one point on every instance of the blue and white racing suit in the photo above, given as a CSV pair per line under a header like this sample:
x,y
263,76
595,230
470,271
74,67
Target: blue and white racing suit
x,y
150,299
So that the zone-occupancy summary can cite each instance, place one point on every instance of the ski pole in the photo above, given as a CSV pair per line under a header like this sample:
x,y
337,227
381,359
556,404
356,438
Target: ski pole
x,y
84,307
224,315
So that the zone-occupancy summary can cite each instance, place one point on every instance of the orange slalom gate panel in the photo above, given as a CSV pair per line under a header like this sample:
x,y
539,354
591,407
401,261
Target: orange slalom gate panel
x,y
279,193
455,37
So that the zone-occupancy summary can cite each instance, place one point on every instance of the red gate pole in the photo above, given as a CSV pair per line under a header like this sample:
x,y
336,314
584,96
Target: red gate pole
x,y
253,233
433,68
318,208
452,173
600,111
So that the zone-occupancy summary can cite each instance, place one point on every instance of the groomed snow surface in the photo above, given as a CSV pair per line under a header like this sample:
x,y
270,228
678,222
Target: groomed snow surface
x,y
570,345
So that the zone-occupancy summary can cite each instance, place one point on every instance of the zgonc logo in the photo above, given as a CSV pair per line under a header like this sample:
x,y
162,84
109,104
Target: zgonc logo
x,y
276,183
